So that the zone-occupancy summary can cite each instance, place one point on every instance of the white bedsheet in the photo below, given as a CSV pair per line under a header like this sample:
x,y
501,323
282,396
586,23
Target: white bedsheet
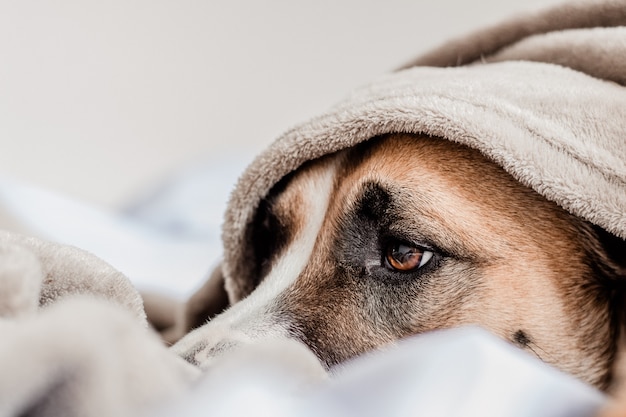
x,y
463,372
167,239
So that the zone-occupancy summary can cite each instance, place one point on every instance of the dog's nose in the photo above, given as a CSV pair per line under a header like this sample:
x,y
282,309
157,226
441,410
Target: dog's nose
x,y
240,325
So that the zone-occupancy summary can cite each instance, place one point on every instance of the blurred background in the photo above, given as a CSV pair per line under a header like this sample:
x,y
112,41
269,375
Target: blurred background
x,y
100,98
103,104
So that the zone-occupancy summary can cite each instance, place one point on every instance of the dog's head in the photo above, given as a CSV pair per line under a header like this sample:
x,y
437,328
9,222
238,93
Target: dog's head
x,y
401,235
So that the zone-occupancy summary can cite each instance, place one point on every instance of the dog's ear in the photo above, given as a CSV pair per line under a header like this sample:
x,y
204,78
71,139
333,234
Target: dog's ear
x,y
611,266
207,302
615,249
173,319
165,315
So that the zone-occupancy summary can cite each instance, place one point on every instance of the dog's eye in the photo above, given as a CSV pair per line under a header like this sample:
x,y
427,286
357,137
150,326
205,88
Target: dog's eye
x,y
404,257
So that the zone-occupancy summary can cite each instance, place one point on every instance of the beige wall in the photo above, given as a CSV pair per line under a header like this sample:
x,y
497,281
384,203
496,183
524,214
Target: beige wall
x,y
100,98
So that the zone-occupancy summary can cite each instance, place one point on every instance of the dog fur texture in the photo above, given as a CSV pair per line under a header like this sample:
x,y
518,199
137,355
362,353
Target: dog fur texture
x,y
503,257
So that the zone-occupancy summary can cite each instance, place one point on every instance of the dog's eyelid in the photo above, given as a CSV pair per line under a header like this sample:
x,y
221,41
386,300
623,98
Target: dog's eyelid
x,y
418,242
444,248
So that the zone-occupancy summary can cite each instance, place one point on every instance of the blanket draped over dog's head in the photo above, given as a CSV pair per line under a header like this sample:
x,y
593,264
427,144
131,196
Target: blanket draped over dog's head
x,y
544,96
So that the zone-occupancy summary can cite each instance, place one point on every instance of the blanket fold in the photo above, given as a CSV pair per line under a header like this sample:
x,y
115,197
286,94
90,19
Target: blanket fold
x,y
67,271
75,340
580,14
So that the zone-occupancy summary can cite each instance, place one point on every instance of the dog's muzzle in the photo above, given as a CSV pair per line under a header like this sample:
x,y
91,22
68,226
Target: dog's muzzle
x,y
226,333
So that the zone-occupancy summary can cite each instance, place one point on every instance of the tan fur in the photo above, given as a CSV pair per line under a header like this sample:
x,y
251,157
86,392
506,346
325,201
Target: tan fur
x,y
507,259
532,266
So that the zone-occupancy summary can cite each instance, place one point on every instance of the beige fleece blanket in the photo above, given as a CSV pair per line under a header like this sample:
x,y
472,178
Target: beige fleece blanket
x,y
75,340
542,95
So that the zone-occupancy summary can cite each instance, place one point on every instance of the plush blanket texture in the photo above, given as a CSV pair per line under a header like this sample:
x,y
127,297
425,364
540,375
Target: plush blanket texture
x,y
75,340
542,95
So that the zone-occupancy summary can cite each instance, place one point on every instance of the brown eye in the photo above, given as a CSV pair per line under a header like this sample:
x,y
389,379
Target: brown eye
x,y
404,258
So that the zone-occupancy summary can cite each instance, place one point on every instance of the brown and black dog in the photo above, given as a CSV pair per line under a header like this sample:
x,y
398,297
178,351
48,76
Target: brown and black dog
x,y
404,234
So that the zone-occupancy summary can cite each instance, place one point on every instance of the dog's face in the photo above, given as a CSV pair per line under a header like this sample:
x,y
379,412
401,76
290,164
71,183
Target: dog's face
x,y
406,234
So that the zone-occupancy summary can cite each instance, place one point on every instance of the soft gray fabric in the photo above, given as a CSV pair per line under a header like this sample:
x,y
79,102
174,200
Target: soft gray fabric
x,y
75,340
514,97
67,271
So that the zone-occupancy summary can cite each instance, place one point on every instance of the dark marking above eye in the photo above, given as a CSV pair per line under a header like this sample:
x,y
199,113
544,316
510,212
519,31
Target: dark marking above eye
x,y
374,201
358,235
521,338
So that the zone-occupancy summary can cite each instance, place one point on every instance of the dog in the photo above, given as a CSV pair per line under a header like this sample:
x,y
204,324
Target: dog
x,y
405,234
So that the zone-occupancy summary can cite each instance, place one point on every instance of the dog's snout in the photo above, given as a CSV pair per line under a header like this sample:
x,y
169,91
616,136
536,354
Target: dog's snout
x,y
205,344
242,324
